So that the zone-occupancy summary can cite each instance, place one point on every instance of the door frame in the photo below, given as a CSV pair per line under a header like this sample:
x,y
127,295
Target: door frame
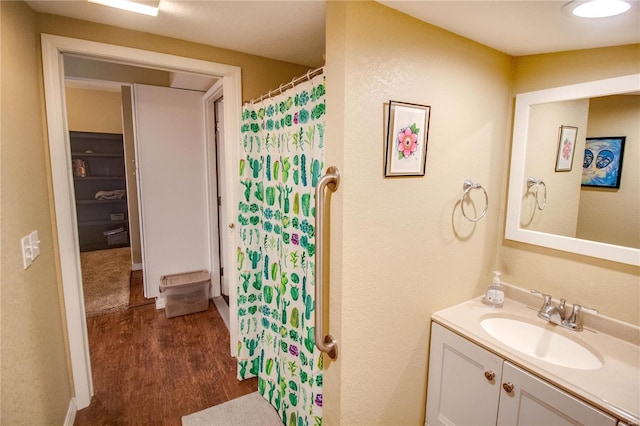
x,y
215,249
53,49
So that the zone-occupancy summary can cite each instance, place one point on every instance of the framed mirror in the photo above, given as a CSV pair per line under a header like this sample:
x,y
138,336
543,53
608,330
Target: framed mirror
x,y
548,205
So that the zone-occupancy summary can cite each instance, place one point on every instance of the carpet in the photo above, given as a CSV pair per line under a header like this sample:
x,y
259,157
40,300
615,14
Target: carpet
x,y
248,410
105,280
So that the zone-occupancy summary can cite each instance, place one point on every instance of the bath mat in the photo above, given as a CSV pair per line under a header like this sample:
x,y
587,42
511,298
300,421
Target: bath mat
x,y
105,280
248,410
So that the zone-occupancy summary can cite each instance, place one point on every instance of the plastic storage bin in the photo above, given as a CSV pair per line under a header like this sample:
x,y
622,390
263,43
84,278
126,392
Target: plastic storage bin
x,y
119,238
185,293
116,236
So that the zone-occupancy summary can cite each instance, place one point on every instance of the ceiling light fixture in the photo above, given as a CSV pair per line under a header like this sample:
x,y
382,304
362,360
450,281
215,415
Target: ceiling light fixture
x,y
145,7
596,8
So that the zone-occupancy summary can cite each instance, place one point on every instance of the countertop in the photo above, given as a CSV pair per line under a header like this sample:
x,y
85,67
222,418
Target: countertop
x,y
614,388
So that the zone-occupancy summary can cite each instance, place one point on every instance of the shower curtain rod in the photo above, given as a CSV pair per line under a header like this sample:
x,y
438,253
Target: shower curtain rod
x,y
296,80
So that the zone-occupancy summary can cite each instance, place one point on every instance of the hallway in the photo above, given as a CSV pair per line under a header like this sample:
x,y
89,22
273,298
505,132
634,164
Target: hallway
x,y
148,369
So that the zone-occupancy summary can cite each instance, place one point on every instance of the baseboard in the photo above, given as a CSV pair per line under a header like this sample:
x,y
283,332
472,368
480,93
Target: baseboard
x,y
160,303
71,412
223,309
136,267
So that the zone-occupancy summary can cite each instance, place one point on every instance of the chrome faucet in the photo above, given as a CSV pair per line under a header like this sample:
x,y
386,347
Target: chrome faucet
x,y
574,320
556,314
549,311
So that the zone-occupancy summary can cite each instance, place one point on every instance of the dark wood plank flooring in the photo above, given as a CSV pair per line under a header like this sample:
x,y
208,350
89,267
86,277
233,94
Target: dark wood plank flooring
x,y
136,293
150,370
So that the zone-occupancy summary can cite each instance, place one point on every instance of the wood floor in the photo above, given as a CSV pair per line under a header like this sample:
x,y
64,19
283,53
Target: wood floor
x,y
150,370
136,293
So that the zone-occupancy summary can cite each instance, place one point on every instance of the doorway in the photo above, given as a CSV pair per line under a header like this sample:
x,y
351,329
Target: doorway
x,y
104,220
53,49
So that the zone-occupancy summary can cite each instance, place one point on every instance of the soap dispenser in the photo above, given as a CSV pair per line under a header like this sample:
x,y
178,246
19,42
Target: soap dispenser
x,y
495,292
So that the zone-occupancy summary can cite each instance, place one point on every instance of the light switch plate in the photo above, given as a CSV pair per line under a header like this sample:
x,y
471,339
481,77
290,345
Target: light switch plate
x,y
35,245
27,258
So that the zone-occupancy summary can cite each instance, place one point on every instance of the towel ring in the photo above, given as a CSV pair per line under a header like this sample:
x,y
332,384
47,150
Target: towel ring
x,y
468,186
531,181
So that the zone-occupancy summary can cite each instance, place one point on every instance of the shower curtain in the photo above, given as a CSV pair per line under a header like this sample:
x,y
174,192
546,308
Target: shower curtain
x,y
281,162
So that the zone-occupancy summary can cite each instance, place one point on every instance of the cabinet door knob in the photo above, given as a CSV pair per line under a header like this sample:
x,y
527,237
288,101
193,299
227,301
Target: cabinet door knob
x,y
490,375
508,387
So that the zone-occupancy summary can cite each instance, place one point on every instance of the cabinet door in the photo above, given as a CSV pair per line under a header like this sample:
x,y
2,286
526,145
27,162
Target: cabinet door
x,y
536,402
464,381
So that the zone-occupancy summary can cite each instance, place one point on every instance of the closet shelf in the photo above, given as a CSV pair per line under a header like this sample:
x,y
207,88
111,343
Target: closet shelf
x,y
79,178
97,154
101,222
100,246
105,166
122,200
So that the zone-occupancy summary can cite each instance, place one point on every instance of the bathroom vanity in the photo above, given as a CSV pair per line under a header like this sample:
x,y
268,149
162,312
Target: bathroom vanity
x,y
508,367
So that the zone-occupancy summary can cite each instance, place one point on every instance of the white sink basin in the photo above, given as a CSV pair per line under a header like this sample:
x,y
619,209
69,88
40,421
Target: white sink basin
x,y
542,343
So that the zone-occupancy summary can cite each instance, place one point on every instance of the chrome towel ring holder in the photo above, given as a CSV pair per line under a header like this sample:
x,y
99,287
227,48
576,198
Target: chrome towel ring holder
x,y
467,186
531,181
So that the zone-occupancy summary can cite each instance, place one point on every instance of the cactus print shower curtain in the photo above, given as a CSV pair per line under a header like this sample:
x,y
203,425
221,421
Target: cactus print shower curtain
x,y
281,162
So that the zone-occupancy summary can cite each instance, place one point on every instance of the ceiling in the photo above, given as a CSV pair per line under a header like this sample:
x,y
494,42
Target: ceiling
x,y
294,31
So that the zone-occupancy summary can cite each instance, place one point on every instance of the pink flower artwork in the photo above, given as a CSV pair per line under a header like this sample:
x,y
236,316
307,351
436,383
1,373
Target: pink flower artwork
x,y
407,142
566,149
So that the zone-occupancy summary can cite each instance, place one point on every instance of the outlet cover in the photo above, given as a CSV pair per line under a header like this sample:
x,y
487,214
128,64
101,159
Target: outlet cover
x,y
35,245
27,258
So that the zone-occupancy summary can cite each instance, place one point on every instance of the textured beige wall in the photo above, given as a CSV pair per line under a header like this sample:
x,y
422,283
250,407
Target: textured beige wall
x,y
613,215
94,111
36,388
92,69
259,74
536,72
400,247
611,287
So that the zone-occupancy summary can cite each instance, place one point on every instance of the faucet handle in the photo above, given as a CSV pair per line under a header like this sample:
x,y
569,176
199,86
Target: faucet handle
x,y
536,292
546,297
574,321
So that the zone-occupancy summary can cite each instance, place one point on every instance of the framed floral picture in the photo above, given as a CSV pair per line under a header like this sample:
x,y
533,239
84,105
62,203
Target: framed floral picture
x,y
407,137
602,164
566,148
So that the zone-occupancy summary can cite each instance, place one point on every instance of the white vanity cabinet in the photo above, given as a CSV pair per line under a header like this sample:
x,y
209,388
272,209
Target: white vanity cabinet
x,y
469,385
464,381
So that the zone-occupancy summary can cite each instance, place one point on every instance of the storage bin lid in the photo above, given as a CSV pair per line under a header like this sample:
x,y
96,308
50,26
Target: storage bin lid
x,y
184,278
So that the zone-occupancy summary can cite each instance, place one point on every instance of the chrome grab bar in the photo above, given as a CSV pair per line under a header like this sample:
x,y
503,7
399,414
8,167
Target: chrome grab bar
x,y
331,180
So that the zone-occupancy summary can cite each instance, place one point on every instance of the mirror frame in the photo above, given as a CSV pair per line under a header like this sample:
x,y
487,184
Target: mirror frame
x,y
517,178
